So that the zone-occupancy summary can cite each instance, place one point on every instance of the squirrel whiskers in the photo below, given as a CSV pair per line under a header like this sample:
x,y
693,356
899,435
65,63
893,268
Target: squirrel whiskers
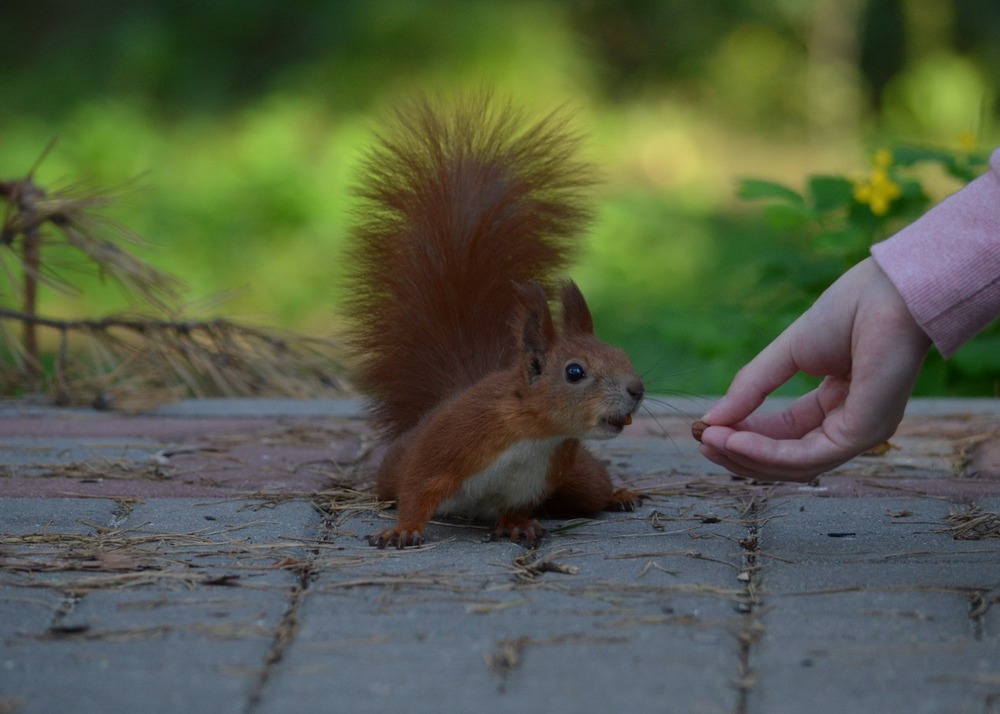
x,y
468,217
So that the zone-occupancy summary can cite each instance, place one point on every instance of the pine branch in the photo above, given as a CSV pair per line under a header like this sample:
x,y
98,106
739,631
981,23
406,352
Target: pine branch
x,y
131,361
202,358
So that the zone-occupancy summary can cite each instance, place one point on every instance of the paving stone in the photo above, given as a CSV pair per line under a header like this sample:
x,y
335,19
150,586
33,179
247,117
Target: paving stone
x,y
199,592
464,624
873,651
867,605
24,516
984,459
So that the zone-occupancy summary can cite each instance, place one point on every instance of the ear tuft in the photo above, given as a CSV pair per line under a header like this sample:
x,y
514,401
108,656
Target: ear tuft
x,y
576,314
534,329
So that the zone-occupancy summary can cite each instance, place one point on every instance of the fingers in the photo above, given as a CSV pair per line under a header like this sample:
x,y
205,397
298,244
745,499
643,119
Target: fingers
x,y
770,445
794,444
881,385
817,432
734,464
862,337
805,414
766,372
755,456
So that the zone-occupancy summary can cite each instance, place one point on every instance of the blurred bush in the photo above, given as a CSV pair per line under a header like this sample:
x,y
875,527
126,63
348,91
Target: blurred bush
x,y
231,132
833,223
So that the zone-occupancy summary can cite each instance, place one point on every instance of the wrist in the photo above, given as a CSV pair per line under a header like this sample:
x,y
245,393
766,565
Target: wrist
x,y
896,313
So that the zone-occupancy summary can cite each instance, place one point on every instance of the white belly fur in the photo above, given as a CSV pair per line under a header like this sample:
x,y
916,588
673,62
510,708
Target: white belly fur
x,y
516,478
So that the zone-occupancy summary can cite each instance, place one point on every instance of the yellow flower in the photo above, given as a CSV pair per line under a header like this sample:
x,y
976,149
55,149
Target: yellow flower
x,y
882,159
878,191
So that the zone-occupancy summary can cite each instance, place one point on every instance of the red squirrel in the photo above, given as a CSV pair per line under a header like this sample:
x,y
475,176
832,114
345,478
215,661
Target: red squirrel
x,y
467,217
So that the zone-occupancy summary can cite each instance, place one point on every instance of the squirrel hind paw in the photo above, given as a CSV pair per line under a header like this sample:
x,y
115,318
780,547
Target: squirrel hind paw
x,y
625,499
528,533
395,537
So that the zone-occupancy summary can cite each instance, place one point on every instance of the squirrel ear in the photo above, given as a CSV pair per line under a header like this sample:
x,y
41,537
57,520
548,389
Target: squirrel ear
x,y
576,314
534,329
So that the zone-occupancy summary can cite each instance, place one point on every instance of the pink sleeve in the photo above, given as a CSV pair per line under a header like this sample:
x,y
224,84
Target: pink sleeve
x,y
946,264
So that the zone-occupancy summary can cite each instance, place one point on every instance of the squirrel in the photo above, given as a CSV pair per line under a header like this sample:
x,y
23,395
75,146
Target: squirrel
x,y
466,220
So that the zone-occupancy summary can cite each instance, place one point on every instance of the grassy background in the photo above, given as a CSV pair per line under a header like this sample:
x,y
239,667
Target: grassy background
x,y
231,133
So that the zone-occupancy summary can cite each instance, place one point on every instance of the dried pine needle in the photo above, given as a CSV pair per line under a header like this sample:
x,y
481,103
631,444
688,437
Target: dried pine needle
x,y
130,362
972,524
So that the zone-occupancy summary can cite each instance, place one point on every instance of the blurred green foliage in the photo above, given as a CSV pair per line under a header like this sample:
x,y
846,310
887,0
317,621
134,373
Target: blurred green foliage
x,y
231,132
840,218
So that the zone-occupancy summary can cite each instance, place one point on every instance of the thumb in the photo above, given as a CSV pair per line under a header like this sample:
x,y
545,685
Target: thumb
x,y
753,383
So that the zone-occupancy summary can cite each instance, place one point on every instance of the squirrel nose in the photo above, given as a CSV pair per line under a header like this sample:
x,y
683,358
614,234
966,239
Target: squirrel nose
x,y
635,388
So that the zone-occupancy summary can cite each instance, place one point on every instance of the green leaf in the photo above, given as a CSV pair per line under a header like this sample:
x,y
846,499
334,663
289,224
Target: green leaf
x,y
966,171
830,192
817,275
979,355
961,165
752,189
850,242
909,155
787,217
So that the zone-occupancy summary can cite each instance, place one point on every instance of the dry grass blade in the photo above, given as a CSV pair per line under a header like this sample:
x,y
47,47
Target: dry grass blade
x,y
93,470
215,631
72,218
132,554
972,524
133,363
530,564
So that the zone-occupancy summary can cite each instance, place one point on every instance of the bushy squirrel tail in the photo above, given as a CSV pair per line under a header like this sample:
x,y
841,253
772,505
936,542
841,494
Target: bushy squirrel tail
x,y
457,206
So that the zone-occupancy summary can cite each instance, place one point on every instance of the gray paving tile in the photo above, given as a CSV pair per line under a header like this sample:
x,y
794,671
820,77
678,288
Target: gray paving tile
x,y
715,596
871,605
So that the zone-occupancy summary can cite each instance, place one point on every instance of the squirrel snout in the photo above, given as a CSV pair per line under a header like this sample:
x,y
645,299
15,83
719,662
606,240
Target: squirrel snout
x,y
621,403
635,388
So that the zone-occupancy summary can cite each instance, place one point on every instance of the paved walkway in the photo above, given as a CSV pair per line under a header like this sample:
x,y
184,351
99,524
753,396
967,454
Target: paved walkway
x,y
209,557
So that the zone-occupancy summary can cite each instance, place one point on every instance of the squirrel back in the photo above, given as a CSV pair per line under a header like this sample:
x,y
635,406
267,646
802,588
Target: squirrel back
x,y
458,208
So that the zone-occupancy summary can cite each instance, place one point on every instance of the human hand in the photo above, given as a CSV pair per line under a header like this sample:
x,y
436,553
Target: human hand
x,y
860,336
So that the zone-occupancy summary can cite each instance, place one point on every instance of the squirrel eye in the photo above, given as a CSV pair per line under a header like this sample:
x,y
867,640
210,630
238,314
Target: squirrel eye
x,y
575,372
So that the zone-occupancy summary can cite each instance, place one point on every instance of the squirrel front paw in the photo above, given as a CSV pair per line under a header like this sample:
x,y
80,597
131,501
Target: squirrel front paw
x,y
526,531
397,537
